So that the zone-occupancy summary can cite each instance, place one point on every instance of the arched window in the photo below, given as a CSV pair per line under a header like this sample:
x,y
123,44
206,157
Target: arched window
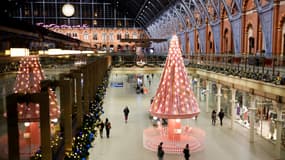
x,y
85,36
119,48
127,35
119,36
104,37
135,36
111,37
74,35
95,36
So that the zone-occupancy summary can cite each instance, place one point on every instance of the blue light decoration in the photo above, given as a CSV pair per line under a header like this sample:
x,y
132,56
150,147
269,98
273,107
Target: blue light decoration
x,y
82,142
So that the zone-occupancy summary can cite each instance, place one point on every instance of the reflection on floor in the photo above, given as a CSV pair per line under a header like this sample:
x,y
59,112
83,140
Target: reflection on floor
x,y
126,143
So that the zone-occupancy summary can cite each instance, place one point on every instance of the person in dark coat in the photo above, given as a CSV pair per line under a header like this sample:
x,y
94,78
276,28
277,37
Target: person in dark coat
x,y
160,152
126,113
214,117
101,128
186,152
221,116
107,127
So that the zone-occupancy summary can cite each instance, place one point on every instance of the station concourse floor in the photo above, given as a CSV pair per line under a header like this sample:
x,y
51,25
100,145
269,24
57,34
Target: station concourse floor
x,y
125,142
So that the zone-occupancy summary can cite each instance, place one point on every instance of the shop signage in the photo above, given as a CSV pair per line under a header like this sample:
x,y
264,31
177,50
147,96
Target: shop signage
x,y
64,26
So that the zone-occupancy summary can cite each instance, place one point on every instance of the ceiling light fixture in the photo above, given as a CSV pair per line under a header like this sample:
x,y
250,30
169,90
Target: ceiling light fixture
x,y
68,10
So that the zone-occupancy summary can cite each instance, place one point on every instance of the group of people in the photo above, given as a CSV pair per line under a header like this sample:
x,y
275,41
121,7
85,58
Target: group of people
x,y
160,152
220,115
106,125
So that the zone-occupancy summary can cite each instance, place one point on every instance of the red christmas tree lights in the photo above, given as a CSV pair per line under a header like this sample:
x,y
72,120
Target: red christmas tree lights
x,y
174,98
173,101
27,82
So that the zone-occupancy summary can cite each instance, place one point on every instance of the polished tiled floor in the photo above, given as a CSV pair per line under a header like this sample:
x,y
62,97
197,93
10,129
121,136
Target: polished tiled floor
x,y
125,141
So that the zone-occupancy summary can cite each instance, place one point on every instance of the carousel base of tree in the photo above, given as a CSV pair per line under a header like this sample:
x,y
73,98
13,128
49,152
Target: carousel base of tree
x,y
195,137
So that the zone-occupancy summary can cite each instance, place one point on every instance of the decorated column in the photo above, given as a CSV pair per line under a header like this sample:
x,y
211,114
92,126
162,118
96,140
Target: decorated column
x,y
219,95
79,115
12,128
252,110
279,122
233,102
4,97
244,100
207,95
65,95
85,89
43,98
198,90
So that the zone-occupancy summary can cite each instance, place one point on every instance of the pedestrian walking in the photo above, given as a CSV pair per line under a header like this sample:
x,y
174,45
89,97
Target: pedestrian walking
x,y
107,127
101,128
186,152
160,152
221,116
126,113
214,117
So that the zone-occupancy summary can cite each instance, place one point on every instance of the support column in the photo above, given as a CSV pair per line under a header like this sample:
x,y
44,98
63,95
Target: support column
x,y
4,98
252,110
233,102
210,87
207,95
13,128
85,90
198,90
219,94
279,123
191,80
65,95
45,124
79,115
244,99
91,72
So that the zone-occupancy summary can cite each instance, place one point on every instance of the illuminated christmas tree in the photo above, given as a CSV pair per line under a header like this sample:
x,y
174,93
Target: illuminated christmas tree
x,y
28,81
174,100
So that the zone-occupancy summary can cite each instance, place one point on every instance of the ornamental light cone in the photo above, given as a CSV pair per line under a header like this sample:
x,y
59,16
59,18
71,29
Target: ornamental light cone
x,y
28,81
174,98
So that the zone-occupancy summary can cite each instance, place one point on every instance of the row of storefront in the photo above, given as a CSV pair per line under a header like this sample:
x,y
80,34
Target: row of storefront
x,y
265,117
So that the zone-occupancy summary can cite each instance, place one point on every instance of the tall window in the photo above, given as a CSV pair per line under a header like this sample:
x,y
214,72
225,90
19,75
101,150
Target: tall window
x,y
95,36
135,36
141,36
104,37
85,36
74,35
111,37
119,36
127,36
